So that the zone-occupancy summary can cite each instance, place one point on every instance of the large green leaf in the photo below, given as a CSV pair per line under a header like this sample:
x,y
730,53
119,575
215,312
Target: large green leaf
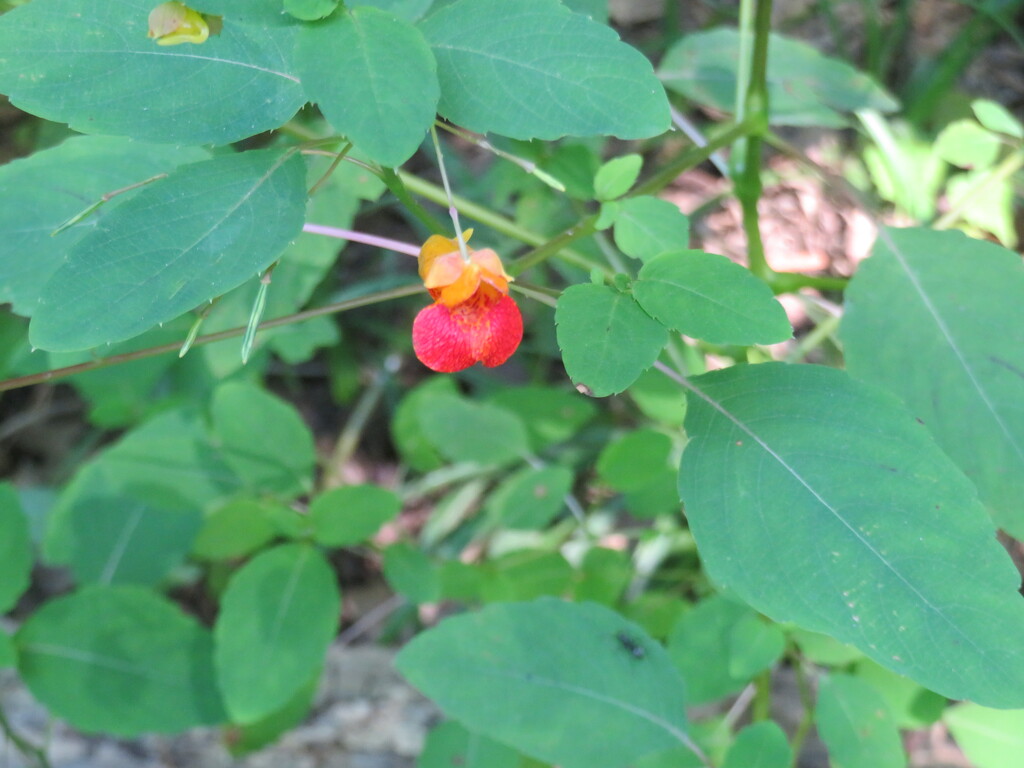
x,y
92,65
15,548
709,297
121,660
857,726
572,684
264,439
463,430
870,532
534,70
954,350
607,341
40,192
804,86
350,515
374,78
178,243
277,618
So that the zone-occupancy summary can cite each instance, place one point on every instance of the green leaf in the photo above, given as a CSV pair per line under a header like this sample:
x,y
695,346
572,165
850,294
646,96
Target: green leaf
x,y
986,202
243,739
344,517
8,653
15,548
856,725
603,576
607,341
659,398
572,684
754,645
237,529
535,70
410,10
310,10
822,649
941,353
526,575
478,432
374,78
966,144
761,745
703,649
94,68
996,117
121,660
450,744
136,535
617,176
634,460
178,243
552,415
277,617
990,738
804,86
911,705
530,498
711,298
41,192
265,440
411,438
411,573
875,537
647,226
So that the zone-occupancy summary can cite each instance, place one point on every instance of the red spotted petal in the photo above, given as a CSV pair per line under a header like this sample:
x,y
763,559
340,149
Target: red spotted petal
x,y
449,339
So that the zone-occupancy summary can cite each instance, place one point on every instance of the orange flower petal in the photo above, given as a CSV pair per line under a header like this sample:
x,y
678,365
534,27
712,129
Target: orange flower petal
x,y
436,246
448,339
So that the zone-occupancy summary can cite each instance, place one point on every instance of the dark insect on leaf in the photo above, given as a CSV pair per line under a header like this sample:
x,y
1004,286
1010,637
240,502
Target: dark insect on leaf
x,y
632,645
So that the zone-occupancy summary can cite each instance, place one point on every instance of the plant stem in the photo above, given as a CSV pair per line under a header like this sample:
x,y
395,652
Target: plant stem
x,y
362,237
22,744
1006,168
748,182
349,438
804,726
397,183
329,309
585,228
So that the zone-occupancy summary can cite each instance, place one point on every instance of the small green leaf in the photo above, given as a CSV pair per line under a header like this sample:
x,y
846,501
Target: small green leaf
x,y
606,339
15,548
478,432
822,649
178,243
93,66
634,460
711,298
344,517
450,744
237,529
552,415
603,576
277,617
411,573
121,660
617,176
996,117
39,192
530,499
411,438
265,440
372,59
526,575
647,226
243,739
796,470
310,10
804,86
856,725
968,145
990,738
534,70
410,10
761,745
911,705
940,354
753,645
571,684
659,398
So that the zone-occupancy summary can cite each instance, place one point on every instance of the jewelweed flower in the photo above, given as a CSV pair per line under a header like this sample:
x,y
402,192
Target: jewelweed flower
x,y
472,319
174,23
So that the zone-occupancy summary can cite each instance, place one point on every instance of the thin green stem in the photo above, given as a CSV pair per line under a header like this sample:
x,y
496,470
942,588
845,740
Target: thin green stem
x,y
350,436
333,166
22,744
397,183
803,728
329,309
762,705
555,245
748,183
691,158
453,212
1006,168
